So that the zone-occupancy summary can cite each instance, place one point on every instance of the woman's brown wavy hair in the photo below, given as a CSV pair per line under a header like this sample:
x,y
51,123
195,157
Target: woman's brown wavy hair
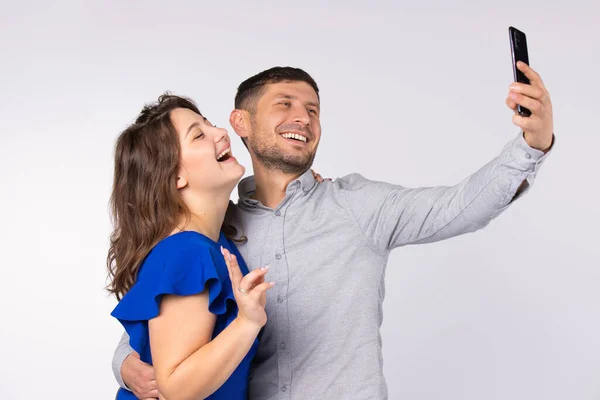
x,y
145,204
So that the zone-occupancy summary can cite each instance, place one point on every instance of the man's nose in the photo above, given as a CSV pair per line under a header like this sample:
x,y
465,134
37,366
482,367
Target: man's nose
x,y
301,115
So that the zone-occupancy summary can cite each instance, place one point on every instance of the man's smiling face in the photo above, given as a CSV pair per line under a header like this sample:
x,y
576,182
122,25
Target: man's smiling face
x,y
285,127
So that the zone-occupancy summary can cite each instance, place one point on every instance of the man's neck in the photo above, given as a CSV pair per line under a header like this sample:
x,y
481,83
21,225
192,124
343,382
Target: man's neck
x,y
271,185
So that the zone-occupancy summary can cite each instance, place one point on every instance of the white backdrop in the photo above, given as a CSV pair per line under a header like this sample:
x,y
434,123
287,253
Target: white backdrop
x,y
411,94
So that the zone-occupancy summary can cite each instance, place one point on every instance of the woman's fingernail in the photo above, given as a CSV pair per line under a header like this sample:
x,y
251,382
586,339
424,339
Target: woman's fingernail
x,y
226,253
265,267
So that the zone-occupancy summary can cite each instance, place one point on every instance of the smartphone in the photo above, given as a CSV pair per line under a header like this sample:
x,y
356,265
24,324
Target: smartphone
x,y
518,50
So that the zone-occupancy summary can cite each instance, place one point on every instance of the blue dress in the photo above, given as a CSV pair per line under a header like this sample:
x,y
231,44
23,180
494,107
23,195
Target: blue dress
x,y
184,264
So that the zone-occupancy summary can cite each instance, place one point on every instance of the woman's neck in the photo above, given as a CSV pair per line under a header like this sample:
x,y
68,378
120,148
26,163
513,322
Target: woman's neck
x,y
205,216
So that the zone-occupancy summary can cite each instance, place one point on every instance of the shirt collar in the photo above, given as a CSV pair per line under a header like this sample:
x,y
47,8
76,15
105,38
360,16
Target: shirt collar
x,y
247,187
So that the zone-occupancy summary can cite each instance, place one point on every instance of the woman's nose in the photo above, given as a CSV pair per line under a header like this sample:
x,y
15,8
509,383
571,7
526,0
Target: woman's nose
x,y
221,134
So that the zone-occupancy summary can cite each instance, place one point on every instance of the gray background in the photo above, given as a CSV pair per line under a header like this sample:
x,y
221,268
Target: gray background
x,y
411,94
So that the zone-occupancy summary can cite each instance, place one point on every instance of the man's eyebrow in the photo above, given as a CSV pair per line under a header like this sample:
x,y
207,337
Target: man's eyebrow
x,y
291,97
286,96
192,126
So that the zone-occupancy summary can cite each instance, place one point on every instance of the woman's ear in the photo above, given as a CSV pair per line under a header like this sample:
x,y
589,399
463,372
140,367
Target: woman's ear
x,y
181,181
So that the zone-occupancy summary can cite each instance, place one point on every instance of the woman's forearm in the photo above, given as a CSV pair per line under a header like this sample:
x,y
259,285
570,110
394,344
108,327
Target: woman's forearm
x,y
205,370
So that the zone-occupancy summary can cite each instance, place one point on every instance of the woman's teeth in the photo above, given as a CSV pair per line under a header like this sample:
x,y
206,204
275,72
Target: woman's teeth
x,y
226,151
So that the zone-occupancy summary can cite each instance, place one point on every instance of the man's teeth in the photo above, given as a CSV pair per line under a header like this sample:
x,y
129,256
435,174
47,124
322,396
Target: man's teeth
x,y
294,136
223,153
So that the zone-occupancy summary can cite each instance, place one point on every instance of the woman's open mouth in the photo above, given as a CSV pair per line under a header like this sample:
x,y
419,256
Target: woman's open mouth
x,y
225,155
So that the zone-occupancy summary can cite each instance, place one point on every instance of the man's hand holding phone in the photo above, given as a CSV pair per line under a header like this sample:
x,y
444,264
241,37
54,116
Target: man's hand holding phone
x,y
538,128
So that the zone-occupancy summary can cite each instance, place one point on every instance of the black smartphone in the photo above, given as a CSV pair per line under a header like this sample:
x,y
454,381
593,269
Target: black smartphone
x,y
518,50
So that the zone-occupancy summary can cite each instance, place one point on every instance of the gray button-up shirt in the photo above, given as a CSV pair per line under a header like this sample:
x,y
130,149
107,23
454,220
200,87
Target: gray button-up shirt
x,y
327,245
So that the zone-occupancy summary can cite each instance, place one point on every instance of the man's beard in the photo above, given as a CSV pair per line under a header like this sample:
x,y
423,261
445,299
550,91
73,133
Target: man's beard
x,y
274,158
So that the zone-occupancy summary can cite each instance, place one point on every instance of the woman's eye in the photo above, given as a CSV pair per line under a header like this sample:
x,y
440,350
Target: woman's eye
x,y
199,136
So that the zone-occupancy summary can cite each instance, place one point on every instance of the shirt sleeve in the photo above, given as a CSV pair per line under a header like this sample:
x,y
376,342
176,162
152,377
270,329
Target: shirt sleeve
x,y
121,352
391,216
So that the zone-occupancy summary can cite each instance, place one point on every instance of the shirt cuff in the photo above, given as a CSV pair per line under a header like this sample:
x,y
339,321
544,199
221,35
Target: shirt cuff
x,y
123,350
525,156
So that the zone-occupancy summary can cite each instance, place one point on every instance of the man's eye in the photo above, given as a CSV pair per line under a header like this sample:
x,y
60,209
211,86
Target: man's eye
x,y
286,103
313,111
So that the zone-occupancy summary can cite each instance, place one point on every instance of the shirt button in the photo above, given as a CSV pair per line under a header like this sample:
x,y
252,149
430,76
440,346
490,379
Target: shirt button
x,y
278,256
283,346
277,213
527,156
279,299
283,388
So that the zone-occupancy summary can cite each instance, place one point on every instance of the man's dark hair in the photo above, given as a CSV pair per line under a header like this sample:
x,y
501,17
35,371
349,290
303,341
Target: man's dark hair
x,y
252,88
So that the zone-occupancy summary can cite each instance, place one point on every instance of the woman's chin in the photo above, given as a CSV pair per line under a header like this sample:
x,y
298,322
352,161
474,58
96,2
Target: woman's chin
x,y
240,169
243,169
235,175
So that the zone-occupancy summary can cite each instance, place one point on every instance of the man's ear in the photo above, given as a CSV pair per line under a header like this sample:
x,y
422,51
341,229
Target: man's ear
x,y
240,122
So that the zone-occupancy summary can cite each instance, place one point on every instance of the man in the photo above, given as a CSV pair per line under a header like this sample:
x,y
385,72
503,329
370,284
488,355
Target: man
x,y
328,243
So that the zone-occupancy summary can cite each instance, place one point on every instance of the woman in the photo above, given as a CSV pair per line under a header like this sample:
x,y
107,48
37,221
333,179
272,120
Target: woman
x,y
184,300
